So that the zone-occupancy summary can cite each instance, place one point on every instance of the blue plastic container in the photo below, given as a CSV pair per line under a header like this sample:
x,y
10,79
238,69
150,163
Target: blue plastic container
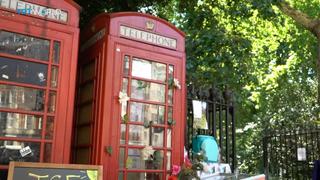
x,y
208,145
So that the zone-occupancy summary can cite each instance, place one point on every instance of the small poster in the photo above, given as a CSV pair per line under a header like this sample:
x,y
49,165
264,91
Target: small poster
x,y
302,154
199,115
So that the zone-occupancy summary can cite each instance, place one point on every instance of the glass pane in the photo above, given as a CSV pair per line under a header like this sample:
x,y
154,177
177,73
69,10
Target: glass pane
x,y
148,69
168,160
170,111
52,102
171,79
126,65
23,72
123,134
16,97
142,112
120,177
82,156
87,71
84,135
121,158
84,115
86,92
47,153
22,45
170,96
54,76
148,91
137,159
139,135
49,127
10,151
144,176
20,125
125,85
169,138
171,69
157,136
124,110
56,52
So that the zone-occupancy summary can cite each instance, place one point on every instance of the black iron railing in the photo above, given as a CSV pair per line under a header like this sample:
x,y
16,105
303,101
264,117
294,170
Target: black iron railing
x,y
281,150
220,115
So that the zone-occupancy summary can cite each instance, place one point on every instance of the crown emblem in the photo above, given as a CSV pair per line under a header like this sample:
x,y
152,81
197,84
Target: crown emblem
x,y
149,25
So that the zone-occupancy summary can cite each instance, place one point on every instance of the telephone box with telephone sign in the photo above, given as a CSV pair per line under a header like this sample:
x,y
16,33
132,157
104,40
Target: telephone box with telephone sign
x,y
38,60
130,108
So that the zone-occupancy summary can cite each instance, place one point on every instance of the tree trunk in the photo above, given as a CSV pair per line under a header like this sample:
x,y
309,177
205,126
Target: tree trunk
x,y
312,25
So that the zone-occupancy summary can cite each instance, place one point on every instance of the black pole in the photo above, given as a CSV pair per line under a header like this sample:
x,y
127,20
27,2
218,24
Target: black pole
x,y
227,133
234,160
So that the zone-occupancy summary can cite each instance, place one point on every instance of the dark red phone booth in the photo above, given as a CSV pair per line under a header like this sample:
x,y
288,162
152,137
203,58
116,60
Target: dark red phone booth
x,y
38,60
130,108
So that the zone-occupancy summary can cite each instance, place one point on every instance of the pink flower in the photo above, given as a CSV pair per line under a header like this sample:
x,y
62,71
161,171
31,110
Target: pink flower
x,y
175,170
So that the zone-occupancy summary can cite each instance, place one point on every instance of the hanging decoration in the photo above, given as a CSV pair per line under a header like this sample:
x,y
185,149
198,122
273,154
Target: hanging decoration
x,y
123,98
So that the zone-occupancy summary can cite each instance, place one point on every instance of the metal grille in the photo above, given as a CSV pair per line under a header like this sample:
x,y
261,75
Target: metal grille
x,y
220,115
281,153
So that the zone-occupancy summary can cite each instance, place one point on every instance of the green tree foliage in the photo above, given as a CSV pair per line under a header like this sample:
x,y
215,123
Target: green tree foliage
x,y
265,57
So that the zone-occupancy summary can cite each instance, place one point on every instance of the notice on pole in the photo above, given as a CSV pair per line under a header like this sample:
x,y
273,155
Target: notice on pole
x,y
302,154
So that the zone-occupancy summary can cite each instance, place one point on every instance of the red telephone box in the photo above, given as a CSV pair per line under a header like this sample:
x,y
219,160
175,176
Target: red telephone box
x,y
38,60
130,108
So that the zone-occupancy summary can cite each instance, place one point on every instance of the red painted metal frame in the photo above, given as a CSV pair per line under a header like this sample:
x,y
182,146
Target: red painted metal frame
x,y
68,35
106,130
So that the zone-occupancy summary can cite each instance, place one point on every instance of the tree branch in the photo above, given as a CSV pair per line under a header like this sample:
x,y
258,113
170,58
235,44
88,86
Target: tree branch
x,y
313,25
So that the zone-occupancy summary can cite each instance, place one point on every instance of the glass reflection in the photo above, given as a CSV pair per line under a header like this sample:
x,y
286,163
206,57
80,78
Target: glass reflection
x,y
157,136
144,176
124,85
138,135
22,45
148,91
47,153
169,138
168,160
16,97
148,69
56,52
49,127
23,71
126,65
20,125
52,102
137,159
121,158
9,151
123,134
142,112
54,76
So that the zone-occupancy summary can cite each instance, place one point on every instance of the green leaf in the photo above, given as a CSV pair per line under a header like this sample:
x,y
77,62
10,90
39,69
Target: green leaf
x,y
125,119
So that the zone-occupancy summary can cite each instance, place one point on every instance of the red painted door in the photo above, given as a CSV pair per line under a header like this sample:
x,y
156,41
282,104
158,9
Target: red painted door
x,y
36,94
144,139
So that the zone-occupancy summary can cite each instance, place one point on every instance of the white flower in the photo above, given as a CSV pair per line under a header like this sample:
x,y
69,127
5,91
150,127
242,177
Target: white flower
x,y
176,83
123,97
146,152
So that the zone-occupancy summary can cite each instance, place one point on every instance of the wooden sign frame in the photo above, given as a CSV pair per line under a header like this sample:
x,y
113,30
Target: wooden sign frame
x,y
13,165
